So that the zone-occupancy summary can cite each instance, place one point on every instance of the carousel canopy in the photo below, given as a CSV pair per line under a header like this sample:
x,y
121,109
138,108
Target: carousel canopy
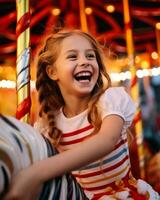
x,y
105,20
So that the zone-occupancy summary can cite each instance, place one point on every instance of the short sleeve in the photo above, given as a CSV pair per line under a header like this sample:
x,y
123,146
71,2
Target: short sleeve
x,y
116,100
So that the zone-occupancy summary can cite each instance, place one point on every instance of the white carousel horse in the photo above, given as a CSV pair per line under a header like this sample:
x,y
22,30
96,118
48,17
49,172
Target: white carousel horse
x,y
20,146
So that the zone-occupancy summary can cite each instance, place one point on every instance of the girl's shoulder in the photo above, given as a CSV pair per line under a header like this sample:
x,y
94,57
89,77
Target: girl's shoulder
x,y
115,95
116,100
115,91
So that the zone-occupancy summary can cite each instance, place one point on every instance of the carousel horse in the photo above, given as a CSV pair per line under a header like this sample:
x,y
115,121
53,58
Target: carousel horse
x,y
20,146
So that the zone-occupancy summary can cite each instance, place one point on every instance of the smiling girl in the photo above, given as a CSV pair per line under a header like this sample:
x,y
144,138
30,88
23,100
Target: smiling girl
x,y
86,119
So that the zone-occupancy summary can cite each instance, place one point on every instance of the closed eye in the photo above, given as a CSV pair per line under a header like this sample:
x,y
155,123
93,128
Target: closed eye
x,y
90,55
72,57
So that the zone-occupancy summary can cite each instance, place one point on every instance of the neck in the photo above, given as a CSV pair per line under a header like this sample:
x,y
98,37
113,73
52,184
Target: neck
x,y
75,107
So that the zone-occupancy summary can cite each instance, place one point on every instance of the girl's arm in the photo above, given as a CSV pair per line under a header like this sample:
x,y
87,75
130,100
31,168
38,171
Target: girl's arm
x,y
88,151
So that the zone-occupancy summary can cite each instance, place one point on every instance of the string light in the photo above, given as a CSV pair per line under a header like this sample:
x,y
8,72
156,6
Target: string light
x,y
122,76
7,84
88,10
158,25
12,84
56,11
115,77
154,55
110,8
144,64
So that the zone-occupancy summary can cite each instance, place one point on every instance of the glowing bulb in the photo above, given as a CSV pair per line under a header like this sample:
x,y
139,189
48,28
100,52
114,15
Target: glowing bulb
x,y
137,59
155,71
139,73
128,75
146,72
154,55
158,25
115,77
144,64
7,84
56,11
88,10
110,8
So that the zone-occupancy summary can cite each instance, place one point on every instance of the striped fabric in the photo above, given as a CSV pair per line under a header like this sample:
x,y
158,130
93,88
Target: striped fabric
x,y
97,176
20,146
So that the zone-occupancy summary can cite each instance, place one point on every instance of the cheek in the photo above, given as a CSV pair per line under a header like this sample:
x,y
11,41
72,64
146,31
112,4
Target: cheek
x,y
65,73
68,68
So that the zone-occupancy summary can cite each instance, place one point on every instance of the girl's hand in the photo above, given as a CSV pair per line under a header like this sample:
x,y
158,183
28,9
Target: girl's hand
x,y
25,185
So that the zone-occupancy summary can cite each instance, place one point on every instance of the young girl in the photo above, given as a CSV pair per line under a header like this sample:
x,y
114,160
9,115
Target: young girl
x,y
86,120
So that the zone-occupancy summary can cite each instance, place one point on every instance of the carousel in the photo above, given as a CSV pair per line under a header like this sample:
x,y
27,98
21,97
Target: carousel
x,y
130,32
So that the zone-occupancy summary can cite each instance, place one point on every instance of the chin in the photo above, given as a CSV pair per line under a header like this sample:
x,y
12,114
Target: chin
x,y
84,93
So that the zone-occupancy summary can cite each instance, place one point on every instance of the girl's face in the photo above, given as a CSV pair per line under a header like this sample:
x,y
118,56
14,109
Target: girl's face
x,y
76,69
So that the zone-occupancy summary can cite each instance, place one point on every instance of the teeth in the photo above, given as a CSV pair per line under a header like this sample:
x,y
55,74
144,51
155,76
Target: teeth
x,y
83,74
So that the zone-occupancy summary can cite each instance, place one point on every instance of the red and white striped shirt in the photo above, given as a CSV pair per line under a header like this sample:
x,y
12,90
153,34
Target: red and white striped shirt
x,y
98,177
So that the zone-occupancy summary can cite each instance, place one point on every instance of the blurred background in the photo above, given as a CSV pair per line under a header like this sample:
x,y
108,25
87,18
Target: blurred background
x,y
105,20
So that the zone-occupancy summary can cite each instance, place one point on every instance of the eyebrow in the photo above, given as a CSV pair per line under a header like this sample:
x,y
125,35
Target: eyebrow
x,y
73,50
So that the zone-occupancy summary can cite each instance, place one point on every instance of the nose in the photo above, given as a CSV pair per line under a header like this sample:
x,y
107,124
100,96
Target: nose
x,y
83,61
84,64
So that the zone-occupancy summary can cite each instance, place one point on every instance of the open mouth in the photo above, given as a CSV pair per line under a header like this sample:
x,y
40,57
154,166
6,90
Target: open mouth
x,y
83,76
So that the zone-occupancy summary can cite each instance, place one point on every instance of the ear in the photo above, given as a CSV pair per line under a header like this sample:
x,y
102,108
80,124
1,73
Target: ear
x,y
52,73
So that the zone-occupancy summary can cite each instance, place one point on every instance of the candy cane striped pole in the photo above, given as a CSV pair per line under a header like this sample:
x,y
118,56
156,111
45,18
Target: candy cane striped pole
x,y
83,19
134,88
23,60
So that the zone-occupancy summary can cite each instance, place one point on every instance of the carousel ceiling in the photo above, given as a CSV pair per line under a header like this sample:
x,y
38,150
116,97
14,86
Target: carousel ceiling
x,y
106,25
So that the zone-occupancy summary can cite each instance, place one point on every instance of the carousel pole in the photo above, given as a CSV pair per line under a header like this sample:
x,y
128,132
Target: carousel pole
x,y
23,60
134,88
158,41
83,19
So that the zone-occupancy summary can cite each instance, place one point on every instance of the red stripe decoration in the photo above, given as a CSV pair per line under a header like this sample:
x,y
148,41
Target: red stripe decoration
x,y
120,143
125,179
23,23
81,139
134,81
74,141
78,131
137,118
116,188
97,188
104,170
23,108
